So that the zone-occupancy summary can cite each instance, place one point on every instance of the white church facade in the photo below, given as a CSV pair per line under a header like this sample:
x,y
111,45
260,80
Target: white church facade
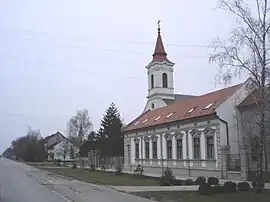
x,y
190,134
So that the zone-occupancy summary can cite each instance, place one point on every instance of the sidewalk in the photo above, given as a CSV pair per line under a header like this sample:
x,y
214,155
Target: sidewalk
x,y
164,188
129,189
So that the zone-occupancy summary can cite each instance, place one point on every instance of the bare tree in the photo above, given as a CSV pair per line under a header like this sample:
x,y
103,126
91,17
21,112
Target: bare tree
x,y
79,126
247,52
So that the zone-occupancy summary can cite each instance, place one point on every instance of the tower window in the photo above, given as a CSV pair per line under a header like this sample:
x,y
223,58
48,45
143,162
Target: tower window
x,y
164,80
152,81
153,106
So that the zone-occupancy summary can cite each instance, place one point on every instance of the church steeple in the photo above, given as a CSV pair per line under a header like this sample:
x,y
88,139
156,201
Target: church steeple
x,y
160,77
159,52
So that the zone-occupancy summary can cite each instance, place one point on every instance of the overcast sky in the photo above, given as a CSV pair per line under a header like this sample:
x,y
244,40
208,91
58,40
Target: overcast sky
x,y
60,56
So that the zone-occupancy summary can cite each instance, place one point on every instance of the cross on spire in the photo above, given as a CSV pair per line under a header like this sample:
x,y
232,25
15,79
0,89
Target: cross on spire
x,y
159,52
158,23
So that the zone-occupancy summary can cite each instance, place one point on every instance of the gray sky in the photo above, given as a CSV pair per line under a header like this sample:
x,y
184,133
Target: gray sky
x,y
60,56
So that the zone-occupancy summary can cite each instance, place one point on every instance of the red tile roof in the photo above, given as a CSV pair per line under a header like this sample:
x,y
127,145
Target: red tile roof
x,y
179,110
250,99
159,53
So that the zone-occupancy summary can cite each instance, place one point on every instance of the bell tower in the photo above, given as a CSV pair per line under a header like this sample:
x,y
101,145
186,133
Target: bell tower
x,y
160,77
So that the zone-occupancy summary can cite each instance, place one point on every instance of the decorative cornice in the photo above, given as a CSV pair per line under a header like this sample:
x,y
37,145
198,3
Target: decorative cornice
x,y
146,138
168,136
178,135
195,132
209,130
154,138
136,140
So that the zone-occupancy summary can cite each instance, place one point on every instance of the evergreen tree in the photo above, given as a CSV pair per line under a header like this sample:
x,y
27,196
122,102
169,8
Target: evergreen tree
x,y
92,136
110,135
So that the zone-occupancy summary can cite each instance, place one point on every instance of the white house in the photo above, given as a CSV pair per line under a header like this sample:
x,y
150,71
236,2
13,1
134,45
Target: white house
x,y
191,134
57,146
51,141
62,151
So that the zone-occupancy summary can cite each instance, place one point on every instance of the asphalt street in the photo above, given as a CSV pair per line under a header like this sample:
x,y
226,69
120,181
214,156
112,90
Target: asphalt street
x,y
23,183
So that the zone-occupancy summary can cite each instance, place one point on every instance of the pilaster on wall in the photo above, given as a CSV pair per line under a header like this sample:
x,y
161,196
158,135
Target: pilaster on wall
x,y
244,162
225,151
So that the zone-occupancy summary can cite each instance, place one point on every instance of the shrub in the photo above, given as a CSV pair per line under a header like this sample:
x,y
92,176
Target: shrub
x,y
230,186
92,168
103,167
177,182
138,170
118,170
57,162
189,182
213,181
218,189
167,177
254,184
74,165
204,189
200,180
243,186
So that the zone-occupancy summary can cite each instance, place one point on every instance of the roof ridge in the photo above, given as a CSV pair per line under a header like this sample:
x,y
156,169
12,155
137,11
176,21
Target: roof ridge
x,y
183,109
198,96
233,86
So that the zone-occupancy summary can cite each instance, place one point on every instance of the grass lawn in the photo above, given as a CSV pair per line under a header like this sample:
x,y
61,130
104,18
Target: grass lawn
x,y
40,164
177,196
104,178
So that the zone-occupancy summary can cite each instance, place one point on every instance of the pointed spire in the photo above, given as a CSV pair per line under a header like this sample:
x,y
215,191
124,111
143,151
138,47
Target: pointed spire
x,y
159,53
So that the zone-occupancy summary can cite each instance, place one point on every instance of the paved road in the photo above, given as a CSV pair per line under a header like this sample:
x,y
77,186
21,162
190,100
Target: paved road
x,y
22,183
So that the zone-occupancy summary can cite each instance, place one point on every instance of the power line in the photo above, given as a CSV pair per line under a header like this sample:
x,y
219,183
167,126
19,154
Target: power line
x,y
39,33
119,51
102,74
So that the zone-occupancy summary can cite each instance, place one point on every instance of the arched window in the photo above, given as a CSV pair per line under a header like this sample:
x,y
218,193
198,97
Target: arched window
x,y
164,80
152,81
153,105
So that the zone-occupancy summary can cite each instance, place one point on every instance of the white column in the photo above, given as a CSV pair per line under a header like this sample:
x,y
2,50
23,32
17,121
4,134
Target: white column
x,y
215,148
190,149
132,151
174,156
151,151
174,148
190,146
202,146
158,149
184,144
164,148
143,148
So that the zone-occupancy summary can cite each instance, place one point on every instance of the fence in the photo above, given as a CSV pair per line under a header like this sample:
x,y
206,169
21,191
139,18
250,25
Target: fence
x,y
112,162
107,162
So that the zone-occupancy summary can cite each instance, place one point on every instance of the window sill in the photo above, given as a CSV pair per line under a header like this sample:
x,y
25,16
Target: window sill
x,y
201,159
174,159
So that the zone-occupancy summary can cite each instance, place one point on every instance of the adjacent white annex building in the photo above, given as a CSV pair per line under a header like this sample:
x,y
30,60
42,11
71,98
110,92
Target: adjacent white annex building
x,y
191,134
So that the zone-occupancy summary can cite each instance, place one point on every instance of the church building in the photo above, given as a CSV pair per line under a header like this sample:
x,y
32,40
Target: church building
x,y
187,133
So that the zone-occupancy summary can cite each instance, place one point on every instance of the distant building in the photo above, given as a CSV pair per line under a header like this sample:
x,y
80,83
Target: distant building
x,y
51,141
191,134
54,145
64,148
